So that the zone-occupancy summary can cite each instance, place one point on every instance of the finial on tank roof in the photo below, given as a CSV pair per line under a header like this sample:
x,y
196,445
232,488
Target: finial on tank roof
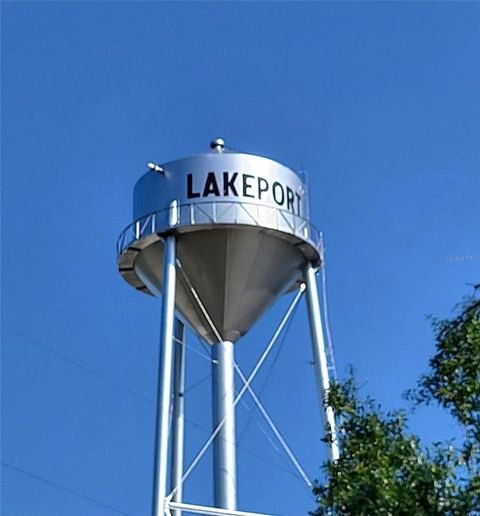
x,y
218,144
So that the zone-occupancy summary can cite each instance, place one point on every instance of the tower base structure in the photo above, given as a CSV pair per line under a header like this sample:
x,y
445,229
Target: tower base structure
x,y
224,403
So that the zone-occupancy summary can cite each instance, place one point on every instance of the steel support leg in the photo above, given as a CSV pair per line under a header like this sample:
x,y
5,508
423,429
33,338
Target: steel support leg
x,y
224,450
164,377
178,416
319,357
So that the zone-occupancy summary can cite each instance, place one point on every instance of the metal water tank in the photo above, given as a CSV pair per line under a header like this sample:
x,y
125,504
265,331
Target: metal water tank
x,y
243,237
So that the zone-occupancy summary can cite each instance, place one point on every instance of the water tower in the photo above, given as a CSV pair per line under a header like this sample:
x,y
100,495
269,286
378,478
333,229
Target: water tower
x,y
219,237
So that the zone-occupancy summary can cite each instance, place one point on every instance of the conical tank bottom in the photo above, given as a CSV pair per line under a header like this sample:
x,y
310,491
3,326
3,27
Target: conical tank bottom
x,y
227,277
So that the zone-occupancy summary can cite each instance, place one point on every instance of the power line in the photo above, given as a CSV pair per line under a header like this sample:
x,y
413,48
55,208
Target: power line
x,y
151,402
275,430
246,381
93,372
204,346
144,398
268,374
252,453
197,383
63,488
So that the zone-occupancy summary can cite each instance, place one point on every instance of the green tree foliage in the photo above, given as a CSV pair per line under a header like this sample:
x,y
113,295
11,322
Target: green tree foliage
x,y
382,468
454,377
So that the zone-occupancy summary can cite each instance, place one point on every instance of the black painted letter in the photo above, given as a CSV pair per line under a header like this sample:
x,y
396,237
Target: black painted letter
x,y
211,186
190,193
290,199
247,186
229,183
262,187
275,187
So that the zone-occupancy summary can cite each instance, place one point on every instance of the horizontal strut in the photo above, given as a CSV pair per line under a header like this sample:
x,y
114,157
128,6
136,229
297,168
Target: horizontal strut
x,y
213,511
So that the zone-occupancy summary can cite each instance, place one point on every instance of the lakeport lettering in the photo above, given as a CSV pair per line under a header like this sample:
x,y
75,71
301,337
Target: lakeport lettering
x,y
243,185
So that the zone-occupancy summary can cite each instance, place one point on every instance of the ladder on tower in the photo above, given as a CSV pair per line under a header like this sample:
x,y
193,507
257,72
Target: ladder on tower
x,y
331,365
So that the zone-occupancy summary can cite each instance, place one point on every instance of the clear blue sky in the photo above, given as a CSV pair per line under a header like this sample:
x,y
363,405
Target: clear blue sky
x,y
378,102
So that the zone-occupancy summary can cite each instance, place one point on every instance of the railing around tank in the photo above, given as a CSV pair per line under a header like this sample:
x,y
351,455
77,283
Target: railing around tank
x,y
221,212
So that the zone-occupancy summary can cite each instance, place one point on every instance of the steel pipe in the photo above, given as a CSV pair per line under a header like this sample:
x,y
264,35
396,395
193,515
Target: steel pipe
x,y
164,377
320,358
224,446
